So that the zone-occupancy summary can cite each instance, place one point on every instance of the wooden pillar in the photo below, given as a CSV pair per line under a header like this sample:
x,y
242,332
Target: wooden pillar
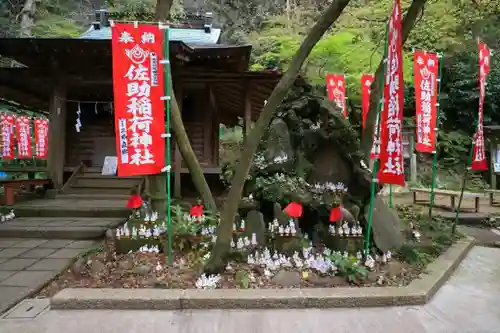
x,y
215,127
177,153
493,155
208,134
413,156
247,117
57,135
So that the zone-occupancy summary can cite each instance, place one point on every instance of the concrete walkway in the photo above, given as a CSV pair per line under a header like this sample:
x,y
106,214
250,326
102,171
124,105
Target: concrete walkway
x,y
469,302
59,227
27,264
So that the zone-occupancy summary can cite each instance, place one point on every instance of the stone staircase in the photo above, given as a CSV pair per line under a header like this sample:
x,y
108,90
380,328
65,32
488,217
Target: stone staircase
x,y
88,205
90,183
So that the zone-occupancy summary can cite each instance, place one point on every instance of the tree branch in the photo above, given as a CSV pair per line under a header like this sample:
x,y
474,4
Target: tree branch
x,y
218,257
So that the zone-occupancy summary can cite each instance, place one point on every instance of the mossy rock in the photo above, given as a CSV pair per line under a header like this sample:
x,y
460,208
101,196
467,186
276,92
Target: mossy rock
x,y
277,210
288,245
255,225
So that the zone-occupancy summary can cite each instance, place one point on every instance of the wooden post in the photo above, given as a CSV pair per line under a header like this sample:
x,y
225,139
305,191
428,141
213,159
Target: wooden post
x,y
493,175
178,156
247,117
57,135
215,127
413,156
208,135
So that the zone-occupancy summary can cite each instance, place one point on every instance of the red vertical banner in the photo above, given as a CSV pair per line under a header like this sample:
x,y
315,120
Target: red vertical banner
x,y
336,86
7,125
41,138
391,135
366,89
138,90
23,136
479,162
426,72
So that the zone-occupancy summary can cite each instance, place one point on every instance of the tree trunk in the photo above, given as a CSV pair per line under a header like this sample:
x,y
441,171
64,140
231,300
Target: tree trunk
x,y
414,11
27,18
162,10
221,248
157,182
189,156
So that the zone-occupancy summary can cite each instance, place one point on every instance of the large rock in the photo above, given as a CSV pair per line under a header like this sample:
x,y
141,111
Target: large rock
x,y
386,226
330,166
255,225
277,210
287,278
279,145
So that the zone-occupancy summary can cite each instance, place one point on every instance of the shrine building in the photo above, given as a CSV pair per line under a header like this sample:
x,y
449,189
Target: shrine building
x,y
212,84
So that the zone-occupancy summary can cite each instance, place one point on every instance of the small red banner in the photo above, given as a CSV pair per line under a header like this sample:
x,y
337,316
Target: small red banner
x,y
23,135
391,134
41,138
7,124
479,162
366,89
138,89
336,86
425,69
375,152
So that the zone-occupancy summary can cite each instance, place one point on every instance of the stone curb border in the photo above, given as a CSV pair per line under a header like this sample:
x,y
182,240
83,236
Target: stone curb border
x,y
418,292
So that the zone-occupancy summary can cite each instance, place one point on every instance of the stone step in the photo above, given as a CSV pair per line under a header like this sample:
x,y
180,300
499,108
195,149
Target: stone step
x,y
71,212
77,189
72,208
97,169
105,182
98,174
58,227
92,196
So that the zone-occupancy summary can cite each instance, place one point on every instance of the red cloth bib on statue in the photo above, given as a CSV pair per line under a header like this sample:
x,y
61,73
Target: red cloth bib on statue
x,y
293,209
134,202
196,211
336,214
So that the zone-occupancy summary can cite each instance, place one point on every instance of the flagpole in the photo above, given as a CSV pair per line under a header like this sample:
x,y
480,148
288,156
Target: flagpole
x,y
471,152
345,98
390,195
434,157
373,185
168,137
464,181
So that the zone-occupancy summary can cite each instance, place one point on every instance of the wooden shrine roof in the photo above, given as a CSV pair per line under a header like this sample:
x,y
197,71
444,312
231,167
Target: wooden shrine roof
x,y
85,65
91,57
21,86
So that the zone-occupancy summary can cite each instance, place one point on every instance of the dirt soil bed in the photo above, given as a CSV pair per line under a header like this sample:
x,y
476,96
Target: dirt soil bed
x,y
149,270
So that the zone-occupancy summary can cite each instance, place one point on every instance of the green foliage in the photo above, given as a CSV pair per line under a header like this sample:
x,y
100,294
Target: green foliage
x,y
349,268
436,236
453,147
242,279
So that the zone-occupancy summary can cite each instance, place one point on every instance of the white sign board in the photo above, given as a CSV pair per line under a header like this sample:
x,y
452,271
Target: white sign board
x,y
496,163
109,166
